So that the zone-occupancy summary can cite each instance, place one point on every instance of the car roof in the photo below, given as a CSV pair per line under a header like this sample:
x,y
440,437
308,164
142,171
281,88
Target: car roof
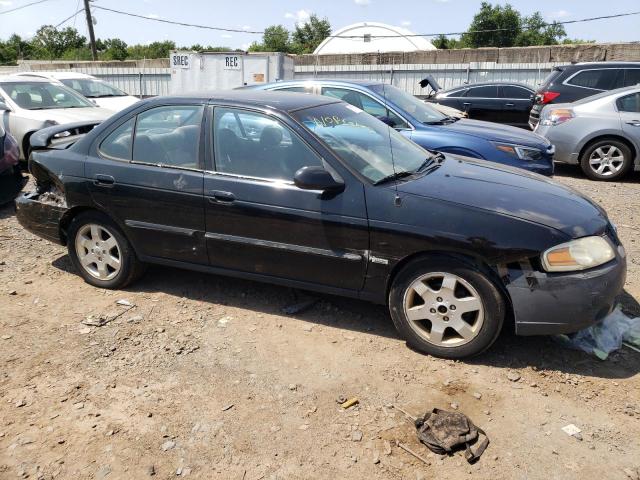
x,y
285,101
333,81
54,74
21,78
484,84
599,64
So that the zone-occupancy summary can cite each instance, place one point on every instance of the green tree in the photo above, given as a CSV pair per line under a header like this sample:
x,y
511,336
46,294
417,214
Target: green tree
x,y
274,39
504,20
152,50
535,31
114,49
51,43
307,37
442,42
14,49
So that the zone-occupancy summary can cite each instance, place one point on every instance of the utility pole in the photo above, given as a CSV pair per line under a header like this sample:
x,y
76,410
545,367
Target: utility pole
x,y
92,37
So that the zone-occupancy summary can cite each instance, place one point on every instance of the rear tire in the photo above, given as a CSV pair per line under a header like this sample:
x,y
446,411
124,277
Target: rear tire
x,y
446,307
606,160
101,253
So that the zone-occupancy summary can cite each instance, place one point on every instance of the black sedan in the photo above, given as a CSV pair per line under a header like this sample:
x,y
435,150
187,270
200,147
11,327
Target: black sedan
x,y
313,193
508,103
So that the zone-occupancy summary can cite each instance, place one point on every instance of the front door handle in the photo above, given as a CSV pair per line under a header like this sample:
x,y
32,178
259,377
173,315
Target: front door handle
x,y
217,196
466,103
634,123
104,180
509,104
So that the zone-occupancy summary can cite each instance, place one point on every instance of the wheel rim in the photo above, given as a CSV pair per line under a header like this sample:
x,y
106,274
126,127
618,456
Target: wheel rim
x,y
98,251
606,160
444,309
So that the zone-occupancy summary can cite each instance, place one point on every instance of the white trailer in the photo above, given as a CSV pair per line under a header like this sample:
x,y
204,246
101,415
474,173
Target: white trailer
x,y
192,71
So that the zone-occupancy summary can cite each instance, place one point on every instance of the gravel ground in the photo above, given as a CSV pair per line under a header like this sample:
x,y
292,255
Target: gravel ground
x,y
205,377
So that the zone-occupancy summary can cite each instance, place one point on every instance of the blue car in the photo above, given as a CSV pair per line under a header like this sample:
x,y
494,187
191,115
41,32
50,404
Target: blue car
x,y
431,129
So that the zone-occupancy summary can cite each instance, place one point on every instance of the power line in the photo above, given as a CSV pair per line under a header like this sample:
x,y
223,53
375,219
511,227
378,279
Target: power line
x,y
221,29
545,24
69,18
23,6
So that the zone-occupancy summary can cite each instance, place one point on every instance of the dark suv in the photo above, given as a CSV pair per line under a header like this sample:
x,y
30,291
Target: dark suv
x,y
568,83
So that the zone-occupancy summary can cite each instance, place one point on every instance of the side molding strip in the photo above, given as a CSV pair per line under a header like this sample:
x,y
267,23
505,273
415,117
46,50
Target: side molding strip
x,y
160,228
284,246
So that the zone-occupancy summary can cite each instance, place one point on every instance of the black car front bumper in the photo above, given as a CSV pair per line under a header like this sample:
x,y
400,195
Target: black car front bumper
x,y
41,218
554,303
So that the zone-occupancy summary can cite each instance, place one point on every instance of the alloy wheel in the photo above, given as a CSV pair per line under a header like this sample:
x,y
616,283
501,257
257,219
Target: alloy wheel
x,y
444,309
98,251
606,160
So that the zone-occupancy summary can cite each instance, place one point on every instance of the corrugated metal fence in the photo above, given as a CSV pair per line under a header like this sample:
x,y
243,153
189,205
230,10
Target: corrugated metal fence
x,y
408,76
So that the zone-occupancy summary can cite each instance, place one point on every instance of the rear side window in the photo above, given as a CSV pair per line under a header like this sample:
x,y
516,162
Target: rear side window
x,y
512,91
488,91
631,77
118,143
605,79
298,89
630,103
551,77
169,136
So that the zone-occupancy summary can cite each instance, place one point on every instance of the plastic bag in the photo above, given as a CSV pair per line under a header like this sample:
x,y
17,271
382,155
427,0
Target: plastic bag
x,y
605,337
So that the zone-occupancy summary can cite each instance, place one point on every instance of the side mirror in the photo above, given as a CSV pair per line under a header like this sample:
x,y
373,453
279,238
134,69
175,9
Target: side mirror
x,y
316,178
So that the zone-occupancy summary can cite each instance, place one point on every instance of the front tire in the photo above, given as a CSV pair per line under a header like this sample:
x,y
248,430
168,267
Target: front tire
x,y
446,307
101,253
607,160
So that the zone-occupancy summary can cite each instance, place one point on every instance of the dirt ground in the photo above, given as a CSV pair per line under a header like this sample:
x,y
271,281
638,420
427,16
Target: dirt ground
x,y
206,377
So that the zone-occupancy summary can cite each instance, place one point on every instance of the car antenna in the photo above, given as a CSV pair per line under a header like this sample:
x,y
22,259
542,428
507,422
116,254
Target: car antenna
x,y
397,201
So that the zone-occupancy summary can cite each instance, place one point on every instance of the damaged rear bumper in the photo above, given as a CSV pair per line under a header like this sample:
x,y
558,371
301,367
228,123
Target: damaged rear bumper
x,y
549,304
41,216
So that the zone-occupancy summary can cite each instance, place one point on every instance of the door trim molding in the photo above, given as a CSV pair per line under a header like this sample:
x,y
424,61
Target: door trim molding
x,y
160,228
355,257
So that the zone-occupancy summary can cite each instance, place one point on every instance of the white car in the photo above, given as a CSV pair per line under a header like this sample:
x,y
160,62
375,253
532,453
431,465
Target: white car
x,y
30,104
100,92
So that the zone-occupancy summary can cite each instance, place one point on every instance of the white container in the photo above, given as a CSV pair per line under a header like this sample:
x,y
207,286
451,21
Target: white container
x,y
192,71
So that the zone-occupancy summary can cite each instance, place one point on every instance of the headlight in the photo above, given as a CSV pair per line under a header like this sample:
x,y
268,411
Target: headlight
x,y
556,116
520,151
580,254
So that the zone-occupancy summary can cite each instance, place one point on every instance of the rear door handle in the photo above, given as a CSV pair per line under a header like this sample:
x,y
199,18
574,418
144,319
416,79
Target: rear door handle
x,y
217,196
509,104
466,103
104,180
634,123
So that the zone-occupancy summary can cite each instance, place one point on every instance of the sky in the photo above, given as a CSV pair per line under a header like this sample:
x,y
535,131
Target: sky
x,y
420,16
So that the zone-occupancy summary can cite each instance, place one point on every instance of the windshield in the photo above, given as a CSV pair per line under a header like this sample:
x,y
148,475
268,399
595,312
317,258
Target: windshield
x,y
92,88
421,111
43,96
363,142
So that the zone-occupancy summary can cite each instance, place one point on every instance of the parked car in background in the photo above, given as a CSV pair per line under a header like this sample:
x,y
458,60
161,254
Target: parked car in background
x,y
568,83
430,128
11,180
101,93
601,133
29,104
325,197
501,102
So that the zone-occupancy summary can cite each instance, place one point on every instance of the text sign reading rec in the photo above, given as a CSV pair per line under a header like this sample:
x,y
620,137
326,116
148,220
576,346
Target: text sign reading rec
x,y
232,62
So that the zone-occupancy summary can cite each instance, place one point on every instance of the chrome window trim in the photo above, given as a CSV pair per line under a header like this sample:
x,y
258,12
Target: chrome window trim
x,y
272,181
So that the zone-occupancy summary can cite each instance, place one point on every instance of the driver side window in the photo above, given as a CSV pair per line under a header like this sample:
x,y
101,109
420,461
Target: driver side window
x,y
366,103
254,145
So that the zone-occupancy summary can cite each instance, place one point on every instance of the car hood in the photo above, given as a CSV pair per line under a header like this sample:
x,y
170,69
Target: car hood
x,y
497,133
67,115
509,191
115,104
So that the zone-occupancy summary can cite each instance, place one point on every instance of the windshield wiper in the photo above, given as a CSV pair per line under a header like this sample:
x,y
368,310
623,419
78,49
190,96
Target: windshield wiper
x,y
436,157
394,176
444,121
